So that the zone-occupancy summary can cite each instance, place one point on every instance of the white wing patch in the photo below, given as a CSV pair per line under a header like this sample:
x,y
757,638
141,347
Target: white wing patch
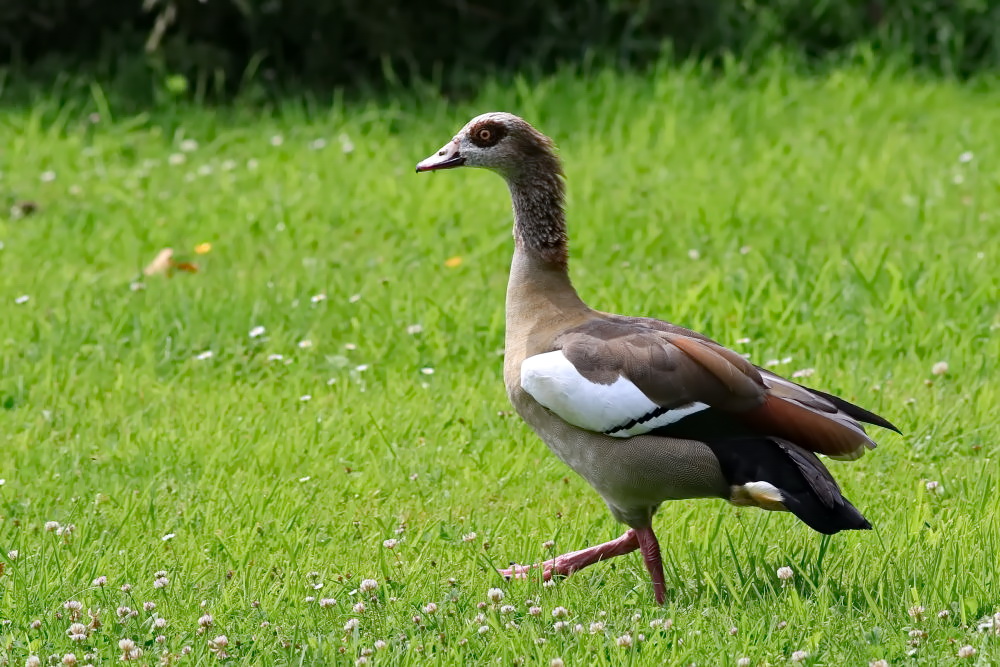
x,y
619,409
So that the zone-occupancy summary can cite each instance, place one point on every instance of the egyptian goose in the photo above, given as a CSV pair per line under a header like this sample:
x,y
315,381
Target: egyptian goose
x,y
644,410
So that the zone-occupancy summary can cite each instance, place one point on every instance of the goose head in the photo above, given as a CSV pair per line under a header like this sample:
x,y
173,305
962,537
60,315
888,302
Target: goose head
x,y
498,141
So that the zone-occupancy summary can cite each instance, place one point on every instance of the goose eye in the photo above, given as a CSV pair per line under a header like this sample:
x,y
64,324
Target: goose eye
x,y
487,135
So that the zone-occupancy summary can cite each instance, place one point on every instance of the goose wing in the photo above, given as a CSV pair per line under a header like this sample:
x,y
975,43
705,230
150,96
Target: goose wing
x,y
630,376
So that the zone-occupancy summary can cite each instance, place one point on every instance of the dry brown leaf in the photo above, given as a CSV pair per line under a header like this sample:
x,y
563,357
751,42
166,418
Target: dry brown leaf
x,y
160,263
164,262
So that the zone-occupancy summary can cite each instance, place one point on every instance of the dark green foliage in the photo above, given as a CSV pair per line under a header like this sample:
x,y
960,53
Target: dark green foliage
x,y
349,41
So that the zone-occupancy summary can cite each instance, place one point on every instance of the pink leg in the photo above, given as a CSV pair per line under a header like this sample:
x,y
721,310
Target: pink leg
x,y
567,564
650,549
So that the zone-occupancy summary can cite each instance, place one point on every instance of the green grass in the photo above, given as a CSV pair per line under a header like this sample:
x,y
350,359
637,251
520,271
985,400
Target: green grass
x,y
834,223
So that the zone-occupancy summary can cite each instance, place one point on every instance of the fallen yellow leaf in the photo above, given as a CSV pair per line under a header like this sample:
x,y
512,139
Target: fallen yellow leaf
x,y
203,248
452,262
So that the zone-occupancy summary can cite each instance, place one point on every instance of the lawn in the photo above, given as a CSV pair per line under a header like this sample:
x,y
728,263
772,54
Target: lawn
x,y
232,452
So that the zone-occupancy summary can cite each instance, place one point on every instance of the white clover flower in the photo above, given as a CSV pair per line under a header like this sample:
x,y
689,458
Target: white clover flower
x,y
346,145
351,625
799,656
785,573
495,595
368,585
257,332
625,641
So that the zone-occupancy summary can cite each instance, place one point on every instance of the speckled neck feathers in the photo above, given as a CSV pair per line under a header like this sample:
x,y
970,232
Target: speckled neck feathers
x,y
540,296
538,194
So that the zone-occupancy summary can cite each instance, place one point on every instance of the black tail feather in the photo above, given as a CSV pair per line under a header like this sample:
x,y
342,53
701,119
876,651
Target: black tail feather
x,y
855,411
824,519
807,488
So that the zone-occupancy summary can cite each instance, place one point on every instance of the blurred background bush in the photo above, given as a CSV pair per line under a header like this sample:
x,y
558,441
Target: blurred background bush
x,y
338,42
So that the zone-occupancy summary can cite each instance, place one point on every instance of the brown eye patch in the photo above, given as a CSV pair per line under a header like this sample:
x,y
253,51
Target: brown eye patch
x,y
487,134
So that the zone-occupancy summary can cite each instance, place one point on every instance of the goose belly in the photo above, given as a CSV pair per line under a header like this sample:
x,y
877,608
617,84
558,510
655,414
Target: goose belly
x,y
627,472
